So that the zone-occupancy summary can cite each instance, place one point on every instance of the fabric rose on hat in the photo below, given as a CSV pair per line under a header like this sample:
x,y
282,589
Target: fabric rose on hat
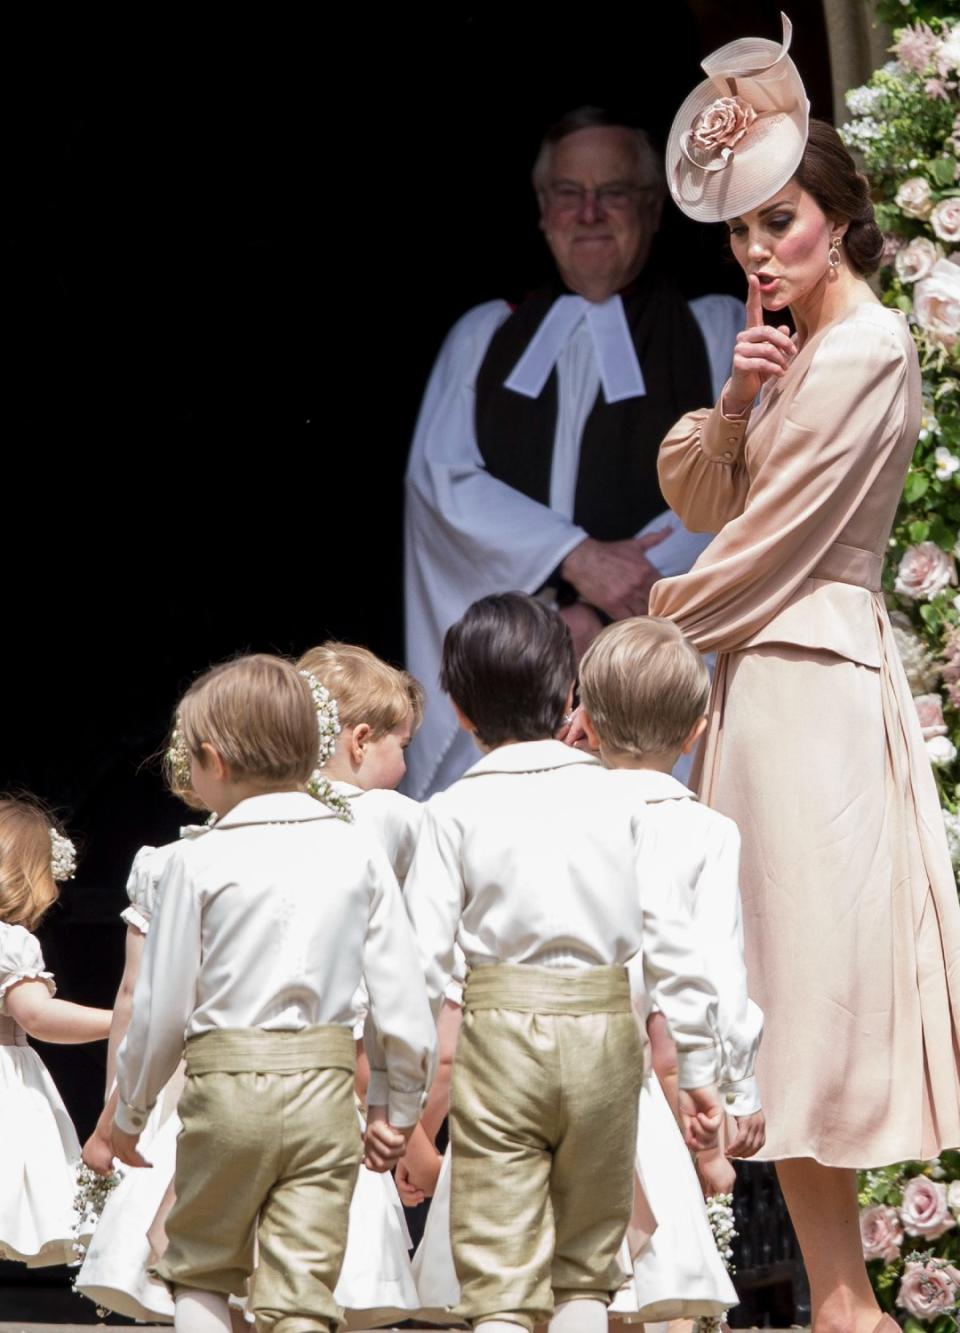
x,y
924,1211
945,220
926,1291
924,571
917,259
881,1233
913,198
722,124
930,712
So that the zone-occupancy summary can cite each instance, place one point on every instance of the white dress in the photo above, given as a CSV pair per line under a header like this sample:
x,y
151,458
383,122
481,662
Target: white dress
x,y
39,1149
376,1283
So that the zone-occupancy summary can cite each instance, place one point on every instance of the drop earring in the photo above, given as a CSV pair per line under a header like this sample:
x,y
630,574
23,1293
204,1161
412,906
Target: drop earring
x,y
833,256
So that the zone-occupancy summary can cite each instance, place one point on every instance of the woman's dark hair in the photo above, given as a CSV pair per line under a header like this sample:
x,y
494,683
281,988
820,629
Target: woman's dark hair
x,y
829,173
508,664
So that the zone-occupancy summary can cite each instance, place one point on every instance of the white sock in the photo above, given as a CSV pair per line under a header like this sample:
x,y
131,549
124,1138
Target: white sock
x,y
579,1317
200,1312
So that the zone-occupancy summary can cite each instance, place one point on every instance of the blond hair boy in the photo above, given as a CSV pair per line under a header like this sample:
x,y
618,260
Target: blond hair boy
x,y
644,690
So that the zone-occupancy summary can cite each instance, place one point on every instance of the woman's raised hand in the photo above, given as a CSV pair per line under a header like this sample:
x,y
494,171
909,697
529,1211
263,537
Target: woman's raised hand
x,y
761,351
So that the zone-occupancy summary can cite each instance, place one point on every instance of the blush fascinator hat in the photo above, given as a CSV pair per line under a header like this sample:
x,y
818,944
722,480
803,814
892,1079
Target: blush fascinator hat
x,y
740,135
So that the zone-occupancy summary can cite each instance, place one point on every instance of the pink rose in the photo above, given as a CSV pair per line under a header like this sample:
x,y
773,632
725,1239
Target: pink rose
x,y
722,124
881,1233
945,220
930,712
924,1211
925,1291
917,259
913,197
936,303
924,571
892,245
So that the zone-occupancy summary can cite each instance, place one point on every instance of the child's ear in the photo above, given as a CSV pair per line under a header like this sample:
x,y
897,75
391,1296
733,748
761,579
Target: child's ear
x,y
696,731
213,761
590,731
357,742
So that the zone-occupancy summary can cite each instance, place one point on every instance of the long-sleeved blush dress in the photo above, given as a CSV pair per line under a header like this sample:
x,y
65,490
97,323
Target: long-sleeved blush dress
x,y
850,909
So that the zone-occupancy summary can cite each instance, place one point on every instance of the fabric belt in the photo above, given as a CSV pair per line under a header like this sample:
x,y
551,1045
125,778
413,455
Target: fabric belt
x,y
548,990
11,1033
254,1051
850,564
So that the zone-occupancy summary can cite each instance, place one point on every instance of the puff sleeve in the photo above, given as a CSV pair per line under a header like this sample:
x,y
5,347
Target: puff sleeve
x,y
21,959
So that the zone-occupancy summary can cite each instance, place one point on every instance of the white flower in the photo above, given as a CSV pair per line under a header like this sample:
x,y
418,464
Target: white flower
x,y
913,197
945,221
63,856
951,823
924,571
863,101
936,303
947,463
917,259
940,751
947,54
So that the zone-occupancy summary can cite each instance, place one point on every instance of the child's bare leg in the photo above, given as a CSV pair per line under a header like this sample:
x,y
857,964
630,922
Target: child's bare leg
x,y
587,1316
200,1312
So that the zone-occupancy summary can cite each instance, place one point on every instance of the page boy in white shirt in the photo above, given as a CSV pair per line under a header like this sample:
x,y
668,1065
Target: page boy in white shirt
x,y
266,923
532,863
643,690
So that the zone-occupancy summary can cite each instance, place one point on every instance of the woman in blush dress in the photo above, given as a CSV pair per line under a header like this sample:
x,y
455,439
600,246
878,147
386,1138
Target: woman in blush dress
x,y
849,903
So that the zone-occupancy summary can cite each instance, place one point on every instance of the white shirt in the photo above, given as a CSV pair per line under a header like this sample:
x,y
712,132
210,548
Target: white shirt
x,y
269,920
536,856
705,846
391,817
468,534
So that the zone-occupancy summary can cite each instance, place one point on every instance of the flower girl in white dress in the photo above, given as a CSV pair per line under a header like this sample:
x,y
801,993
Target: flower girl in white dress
x,y
39,1150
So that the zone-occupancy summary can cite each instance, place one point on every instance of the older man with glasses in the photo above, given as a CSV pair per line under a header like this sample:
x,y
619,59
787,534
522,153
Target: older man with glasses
x,y
534,463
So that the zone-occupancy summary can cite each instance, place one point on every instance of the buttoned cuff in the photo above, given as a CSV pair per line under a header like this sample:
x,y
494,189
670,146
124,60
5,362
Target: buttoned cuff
x,y
721,438
130,1118
403,1107
741,1098
697,1069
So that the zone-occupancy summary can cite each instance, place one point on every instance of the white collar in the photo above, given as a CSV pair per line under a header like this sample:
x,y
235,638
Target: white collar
x,y
616,355
529,757
274,807
345,788
654,786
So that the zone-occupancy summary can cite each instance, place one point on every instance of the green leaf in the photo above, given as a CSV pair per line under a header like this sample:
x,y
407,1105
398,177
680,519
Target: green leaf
x,y
930,616
917,485
941,169
919,530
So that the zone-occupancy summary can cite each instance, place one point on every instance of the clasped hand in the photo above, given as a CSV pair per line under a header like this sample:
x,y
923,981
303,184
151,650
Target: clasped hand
x,y
383,1144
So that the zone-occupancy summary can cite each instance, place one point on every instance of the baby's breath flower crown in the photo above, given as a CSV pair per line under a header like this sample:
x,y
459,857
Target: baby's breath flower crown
x,y
328,728
178,759
63,856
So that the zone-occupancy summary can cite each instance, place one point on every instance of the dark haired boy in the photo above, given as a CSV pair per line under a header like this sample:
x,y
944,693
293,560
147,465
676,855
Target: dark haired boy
x,y
531,862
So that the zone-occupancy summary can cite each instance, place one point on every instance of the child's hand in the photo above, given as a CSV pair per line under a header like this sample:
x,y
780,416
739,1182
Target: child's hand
x,y
421,1164
125,1147
701,1116
715,1173
410,1194
383,1144
98,1154
750,1136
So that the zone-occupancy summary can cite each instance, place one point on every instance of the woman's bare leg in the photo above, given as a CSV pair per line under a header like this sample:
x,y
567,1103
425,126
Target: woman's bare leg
x,y
826,1217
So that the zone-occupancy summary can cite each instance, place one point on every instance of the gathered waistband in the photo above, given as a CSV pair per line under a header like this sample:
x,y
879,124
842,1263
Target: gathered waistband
x,y
11,1033
255,1051
548,990
850,564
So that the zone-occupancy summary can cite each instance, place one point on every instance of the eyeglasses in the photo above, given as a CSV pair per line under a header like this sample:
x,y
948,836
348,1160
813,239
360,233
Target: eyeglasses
x,y
567,197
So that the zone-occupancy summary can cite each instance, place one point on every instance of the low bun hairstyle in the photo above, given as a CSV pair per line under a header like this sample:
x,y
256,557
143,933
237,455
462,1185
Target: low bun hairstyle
x,y
829,173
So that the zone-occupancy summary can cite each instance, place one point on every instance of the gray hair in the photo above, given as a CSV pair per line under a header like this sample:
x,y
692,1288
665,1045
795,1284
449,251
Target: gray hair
x,y
649,164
